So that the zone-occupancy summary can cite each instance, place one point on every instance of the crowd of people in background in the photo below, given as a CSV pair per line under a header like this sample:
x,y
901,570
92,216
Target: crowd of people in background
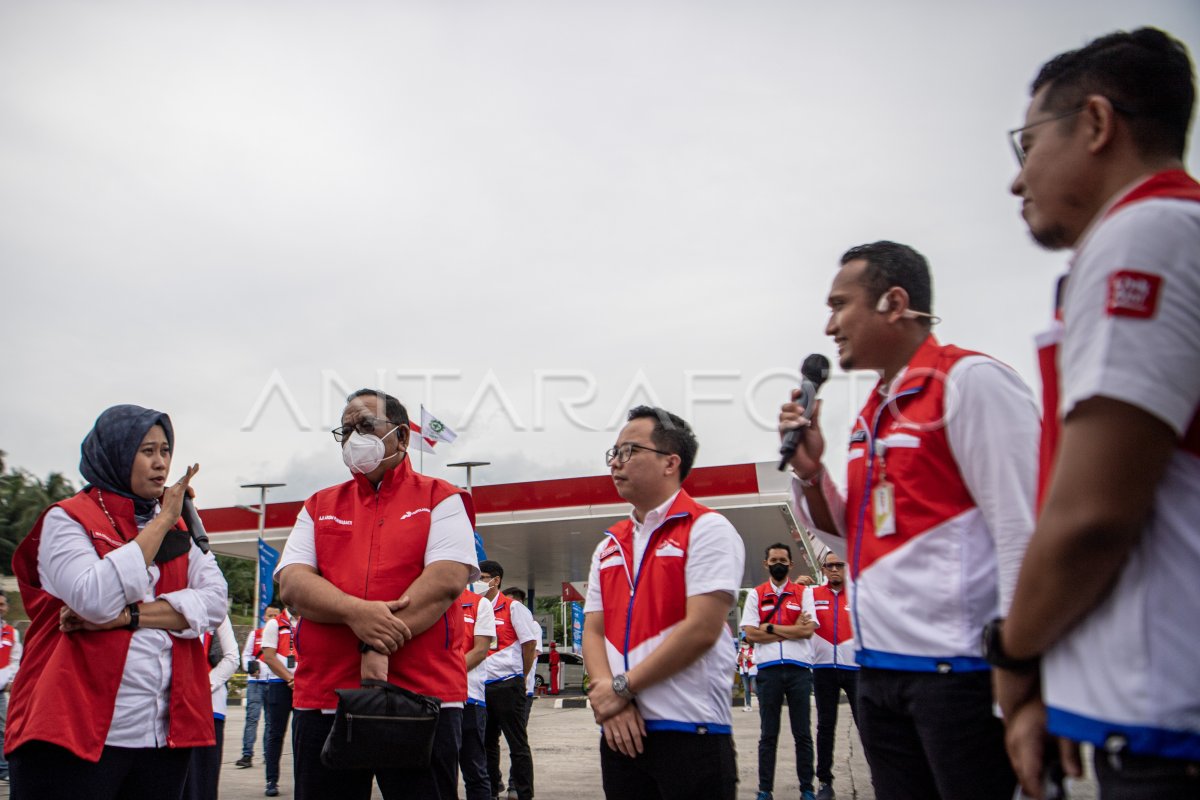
x,y
974,555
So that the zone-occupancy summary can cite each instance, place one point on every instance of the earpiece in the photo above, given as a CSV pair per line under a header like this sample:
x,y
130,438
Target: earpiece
x,y
884,306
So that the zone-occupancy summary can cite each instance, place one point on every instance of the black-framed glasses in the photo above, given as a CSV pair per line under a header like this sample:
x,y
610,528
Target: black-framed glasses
x,y
1014,136
623,452
835,565
364,426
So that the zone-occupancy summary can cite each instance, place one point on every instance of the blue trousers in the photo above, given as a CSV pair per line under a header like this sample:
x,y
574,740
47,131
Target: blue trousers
x,y
774,684
472,757
254,703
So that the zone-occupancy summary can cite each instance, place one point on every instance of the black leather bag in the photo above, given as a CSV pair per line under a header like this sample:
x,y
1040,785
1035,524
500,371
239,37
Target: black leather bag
x,y
381,726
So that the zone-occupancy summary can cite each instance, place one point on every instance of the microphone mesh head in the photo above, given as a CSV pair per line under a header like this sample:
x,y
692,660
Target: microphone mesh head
x,y
815,368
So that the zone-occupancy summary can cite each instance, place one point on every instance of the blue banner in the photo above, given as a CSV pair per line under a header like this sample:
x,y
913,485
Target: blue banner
x,y
268,557
577,627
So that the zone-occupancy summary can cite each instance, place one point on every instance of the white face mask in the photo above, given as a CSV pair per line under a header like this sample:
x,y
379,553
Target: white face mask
x,y
362,454
480,587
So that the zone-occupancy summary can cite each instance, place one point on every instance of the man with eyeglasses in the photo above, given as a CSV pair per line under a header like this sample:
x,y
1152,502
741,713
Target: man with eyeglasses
x,y
655,641
834,668
374,565
937,510
1112,564
779,618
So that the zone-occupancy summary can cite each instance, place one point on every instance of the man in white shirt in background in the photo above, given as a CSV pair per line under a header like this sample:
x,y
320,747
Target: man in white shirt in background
x,y
508,665
256,682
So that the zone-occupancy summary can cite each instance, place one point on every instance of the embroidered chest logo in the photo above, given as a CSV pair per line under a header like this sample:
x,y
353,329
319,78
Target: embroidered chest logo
x,y
332,518
669,547
408,514
1133,294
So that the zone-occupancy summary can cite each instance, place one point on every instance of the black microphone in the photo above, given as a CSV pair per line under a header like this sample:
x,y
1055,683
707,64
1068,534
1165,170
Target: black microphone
x,y
191,521
813,372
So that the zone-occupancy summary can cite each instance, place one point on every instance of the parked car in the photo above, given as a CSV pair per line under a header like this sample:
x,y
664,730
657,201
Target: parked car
x,y
570,671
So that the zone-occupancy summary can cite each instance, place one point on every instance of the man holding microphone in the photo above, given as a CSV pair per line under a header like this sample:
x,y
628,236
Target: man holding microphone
x,y
934,522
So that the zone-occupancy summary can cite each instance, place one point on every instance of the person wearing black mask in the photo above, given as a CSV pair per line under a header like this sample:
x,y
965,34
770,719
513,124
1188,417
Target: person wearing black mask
x,y
114,688
779,620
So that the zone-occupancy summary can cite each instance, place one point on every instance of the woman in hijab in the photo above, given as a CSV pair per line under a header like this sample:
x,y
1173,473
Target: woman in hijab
x,y
114,688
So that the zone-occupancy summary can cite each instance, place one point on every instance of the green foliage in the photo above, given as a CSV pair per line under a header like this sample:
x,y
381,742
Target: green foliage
x,y
241,576
23,497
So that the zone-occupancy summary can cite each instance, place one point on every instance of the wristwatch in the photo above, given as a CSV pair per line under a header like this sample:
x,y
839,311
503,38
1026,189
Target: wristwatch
x,y
135,616
620,686
771,628
993,650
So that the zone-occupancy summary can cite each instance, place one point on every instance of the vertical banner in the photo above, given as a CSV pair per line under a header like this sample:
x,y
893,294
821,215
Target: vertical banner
x,y
268,557
577,627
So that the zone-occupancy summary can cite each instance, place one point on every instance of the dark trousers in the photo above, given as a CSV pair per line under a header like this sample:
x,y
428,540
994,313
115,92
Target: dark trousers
x,y
471,755
672,766
254,703
315,781
204,768
774,684
828,684
44,771
930,735
506,704
277,709
1130,777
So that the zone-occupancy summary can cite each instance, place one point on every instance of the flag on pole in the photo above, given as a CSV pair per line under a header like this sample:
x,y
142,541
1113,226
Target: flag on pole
x,y
434,428
420,441
268,557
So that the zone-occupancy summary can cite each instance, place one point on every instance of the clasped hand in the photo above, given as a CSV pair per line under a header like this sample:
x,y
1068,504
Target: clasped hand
x,y
375,623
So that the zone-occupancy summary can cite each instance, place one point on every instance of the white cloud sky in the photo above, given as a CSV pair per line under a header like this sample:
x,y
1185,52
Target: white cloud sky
x,y
196,196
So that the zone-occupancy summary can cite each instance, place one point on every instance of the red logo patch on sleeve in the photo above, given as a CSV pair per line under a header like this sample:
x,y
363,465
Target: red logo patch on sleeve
x,y
1133,294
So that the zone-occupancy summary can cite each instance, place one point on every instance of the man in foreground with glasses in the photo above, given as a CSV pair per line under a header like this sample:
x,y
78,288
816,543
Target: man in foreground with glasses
x,y
1111,567
655,640
374,565
938,507
834,667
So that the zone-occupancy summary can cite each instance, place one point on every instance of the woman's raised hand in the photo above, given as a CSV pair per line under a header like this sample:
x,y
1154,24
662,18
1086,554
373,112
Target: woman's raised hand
x,y
172,499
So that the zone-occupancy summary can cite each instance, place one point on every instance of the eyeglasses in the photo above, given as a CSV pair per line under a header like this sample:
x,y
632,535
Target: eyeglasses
x,y
364,426
1014,135
835,565
623,452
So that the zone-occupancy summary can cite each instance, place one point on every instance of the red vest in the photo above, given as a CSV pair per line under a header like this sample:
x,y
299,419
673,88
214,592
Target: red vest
x,y
66,689
927,484
1173,184
371,544
286,642
640,607
833,614
256,650
468,601
505,635
775,609
8,636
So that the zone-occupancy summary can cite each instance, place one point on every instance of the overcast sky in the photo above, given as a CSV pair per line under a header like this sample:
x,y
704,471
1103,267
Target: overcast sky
x,y
234,211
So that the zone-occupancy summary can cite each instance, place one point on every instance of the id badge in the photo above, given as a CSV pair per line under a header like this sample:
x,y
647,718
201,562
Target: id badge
x,y
883,506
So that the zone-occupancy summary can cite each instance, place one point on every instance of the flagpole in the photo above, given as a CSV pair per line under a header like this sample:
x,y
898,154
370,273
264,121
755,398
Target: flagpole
x,y
422,470
262,526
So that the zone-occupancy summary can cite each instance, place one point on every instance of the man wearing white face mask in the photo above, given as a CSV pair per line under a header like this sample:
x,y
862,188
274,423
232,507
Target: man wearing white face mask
x,y
375,564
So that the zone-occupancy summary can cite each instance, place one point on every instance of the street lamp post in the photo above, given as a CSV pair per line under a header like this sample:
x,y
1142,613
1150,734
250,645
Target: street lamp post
x,y
469,465
261,510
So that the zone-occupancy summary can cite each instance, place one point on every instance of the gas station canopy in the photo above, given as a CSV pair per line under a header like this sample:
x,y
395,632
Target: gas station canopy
x,y
544,532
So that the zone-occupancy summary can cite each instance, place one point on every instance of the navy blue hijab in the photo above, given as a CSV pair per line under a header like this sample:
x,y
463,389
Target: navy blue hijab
x,y
109,449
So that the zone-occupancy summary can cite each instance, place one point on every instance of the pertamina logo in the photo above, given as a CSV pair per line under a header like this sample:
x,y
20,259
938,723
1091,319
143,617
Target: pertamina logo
x,y
1133,294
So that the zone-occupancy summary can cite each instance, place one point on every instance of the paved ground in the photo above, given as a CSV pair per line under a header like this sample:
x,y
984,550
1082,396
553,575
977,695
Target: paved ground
x,y
567,765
